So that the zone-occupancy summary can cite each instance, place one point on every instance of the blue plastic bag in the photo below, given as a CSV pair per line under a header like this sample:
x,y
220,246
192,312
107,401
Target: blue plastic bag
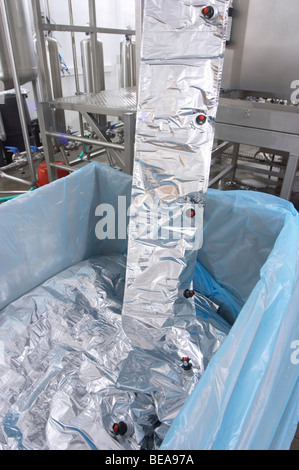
x,y
248,397
249,265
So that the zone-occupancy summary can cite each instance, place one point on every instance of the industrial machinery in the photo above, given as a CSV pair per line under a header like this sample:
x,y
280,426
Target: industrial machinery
x,y
18,61
95,104
55,80
29,53
258,104
128,63
88,64
20,26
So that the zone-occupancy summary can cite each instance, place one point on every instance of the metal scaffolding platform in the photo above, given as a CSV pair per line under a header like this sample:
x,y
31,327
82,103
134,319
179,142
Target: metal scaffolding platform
x,y
109,102
93,108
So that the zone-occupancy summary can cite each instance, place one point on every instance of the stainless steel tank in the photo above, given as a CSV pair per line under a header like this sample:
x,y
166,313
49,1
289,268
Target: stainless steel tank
x,y
54,67
127,63
19,14
55,80
88,66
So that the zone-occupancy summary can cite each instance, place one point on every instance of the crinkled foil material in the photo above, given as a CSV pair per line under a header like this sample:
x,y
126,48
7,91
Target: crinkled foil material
x,y
180,78
68,371
86,350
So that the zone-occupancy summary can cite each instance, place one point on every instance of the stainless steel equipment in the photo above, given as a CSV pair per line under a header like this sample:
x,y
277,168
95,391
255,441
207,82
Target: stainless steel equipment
x,y
88,65
127,63
262,54
119,103
260,61
19,15
54,67
92,107
15,19
55,80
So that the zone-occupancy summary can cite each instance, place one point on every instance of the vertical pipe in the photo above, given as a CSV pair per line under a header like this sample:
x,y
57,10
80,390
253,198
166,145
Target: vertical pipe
x,y
130,130
43,113
44,75
94,45
289,178
78,92
236,150
17,87
139,9
2,129
48,10
42,93
74,49
94,54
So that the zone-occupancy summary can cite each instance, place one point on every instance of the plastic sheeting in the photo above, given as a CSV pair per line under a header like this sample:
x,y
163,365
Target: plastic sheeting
x,y
249,265
248,397
69,372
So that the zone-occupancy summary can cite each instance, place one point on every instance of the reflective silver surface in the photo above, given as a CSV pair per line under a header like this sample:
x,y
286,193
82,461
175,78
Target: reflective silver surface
x,y
68,371
21,27
262,55
88,65
55,80
127,63
180,76
108,102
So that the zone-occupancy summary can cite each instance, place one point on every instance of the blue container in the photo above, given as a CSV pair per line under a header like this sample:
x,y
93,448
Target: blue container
x,y
249,265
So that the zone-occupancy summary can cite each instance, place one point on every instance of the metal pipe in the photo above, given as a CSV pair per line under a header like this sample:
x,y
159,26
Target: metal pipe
x,y
94,45
221,175
74,48
64,155
42,90
78,92
87,29
13,178
2,129
63,167
24,154
218,151
96,154
98,83
99,143
19,96
48,9
91,155
13,192
139,7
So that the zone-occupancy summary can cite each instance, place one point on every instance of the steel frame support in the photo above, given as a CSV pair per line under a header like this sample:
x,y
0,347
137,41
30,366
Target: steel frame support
x,y
48,131
273,127
130,129
289,177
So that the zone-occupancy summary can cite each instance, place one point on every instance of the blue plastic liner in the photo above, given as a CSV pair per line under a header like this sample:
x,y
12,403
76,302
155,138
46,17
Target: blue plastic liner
x,y
248,396
52,228
249,265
